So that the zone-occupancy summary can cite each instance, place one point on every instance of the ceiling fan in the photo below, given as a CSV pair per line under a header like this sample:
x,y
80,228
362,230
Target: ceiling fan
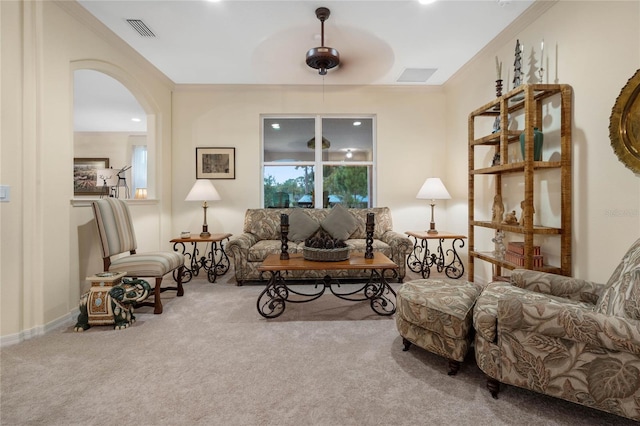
x,y
323,58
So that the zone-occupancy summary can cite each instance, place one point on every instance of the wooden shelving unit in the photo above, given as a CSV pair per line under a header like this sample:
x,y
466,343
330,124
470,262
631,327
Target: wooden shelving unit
x,y
527,101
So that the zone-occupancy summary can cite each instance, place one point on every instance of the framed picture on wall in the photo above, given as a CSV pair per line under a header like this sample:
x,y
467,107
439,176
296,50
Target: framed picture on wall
x,y
85,175
215,163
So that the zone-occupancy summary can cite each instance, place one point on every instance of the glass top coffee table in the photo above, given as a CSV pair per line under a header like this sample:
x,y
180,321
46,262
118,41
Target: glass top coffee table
x,y
272,301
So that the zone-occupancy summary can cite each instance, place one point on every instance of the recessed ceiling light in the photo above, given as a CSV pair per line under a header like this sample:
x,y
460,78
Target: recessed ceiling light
x,y
357,123
275,126
137,120
426,1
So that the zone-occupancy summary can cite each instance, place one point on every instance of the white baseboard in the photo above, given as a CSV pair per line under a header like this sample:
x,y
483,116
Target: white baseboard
x,y
40,330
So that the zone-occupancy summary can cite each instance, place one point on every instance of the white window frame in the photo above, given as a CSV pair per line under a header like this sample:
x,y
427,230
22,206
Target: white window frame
x,y
318,162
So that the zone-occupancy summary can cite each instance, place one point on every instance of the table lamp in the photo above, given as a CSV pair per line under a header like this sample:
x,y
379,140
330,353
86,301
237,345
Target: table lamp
x,y
141,194
433,189
203,190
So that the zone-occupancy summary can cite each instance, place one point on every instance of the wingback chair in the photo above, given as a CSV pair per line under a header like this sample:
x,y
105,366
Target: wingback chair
x,y
565,337
117,236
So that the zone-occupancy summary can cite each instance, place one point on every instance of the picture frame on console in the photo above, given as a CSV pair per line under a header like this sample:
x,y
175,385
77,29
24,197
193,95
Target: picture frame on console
x,y
215,163
85,175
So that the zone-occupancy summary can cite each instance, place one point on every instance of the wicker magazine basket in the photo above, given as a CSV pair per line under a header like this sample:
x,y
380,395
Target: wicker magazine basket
x,y
326,255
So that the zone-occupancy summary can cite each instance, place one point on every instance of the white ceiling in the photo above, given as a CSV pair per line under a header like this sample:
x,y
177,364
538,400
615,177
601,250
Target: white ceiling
x,y
265,42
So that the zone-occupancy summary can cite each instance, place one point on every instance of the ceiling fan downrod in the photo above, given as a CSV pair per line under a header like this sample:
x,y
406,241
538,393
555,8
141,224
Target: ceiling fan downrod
x,y
323,58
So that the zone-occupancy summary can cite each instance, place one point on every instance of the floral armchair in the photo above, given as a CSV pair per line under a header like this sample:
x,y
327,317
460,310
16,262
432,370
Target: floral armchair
x,y
565,337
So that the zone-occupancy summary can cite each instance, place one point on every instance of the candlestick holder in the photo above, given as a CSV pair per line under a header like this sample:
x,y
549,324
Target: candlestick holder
x,y
370,226
498,88
284,236
541,74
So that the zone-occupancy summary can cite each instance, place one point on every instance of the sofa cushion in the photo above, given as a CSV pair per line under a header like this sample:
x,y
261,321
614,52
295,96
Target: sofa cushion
x,y
360,244
301,225
382,219
264,223
485,313
339,223
263,248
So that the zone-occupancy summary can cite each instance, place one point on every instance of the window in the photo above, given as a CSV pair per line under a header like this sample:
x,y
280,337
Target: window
x,y
138,167
298,172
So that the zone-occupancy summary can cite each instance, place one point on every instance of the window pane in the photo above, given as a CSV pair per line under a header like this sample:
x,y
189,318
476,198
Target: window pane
x,y
288,186
348,135
347,185
289,139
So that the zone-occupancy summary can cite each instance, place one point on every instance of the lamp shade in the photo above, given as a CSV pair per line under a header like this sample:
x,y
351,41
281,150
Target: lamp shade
x,y
433,189
141,193
106,177
203,190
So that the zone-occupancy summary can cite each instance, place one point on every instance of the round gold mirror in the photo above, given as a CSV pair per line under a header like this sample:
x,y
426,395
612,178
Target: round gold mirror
x,y
624,124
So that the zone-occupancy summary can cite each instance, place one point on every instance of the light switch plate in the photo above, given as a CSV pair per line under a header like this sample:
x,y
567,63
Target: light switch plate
x,y
5,193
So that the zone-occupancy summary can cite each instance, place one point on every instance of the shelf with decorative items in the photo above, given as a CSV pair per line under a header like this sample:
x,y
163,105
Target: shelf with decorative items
x,y
506,154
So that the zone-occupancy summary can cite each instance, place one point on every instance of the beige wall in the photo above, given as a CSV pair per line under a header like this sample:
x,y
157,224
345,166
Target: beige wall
x,y
594,46
42,268
46,250
410,144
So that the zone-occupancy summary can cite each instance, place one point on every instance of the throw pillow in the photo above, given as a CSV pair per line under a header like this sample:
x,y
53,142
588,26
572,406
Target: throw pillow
x,y
339,223
301,225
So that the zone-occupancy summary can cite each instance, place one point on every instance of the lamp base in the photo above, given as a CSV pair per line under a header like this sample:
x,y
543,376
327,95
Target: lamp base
x,y
205,230
432,231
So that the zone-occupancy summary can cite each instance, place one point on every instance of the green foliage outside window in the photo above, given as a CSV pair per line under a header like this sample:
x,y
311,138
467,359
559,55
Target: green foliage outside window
x,y
347,185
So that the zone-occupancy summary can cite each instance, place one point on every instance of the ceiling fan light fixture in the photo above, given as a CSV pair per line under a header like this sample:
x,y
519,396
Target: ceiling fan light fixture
x,y
323,58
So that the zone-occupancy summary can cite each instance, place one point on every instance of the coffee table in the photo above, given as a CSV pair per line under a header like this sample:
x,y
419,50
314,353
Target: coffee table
x,y
272,301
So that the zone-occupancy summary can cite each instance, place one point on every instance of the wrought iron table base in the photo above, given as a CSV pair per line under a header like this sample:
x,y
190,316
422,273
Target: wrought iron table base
x,y
438,258
272,301
215,263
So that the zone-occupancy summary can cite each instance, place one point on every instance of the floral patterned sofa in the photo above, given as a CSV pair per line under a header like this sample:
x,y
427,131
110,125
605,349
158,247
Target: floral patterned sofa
x,y
261,236
565,337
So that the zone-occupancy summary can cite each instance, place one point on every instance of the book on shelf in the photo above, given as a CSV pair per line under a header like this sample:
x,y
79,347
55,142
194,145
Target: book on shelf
x,y
518,247
518,259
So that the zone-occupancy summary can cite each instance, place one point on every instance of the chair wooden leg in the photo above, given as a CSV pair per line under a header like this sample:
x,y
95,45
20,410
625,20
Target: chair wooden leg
x,y
157,301
180,289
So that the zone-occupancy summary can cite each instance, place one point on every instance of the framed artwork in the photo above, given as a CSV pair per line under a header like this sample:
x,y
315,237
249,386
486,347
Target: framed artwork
x,y
215,163
85,175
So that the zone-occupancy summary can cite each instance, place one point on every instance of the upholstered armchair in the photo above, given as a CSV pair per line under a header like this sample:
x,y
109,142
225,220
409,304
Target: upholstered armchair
x,y
117,236
565,337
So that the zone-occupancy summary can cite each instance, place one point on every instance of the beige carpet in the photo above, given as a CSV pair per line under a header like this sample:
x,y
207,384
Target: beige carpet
x,y
211,359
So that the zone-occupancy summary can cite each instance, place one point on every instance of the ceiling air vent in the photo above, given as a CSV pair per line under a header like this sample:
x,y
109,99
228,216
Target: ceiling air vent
x,y
140,27
416,75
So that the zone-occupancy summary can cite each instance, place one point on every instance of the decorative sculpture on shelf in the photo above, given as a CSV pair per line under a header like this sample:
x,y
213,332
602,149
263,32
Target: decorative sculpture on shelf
x,y
525,208
122,181
498,209
511,218
500,248
517,64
